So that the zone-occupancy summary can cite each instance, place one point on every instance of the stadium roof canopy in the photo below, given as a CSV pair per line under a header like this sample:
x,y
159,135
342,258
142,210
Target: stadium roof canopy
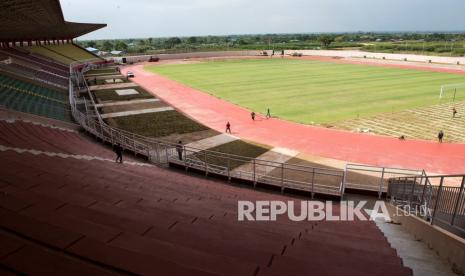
x,y
27,20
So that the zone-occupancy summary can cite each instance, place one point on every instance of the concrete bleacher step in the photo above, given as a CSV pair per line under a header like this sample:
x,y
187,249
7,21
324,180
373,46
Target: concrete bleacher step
x,y
26,259
341,240
137,219
141,264
306,250
328,266
222,265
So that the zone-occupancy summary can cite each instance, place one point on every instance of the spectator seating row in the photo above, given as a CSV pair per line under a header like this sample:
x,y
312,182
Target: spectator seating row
x,y
63,215
26,97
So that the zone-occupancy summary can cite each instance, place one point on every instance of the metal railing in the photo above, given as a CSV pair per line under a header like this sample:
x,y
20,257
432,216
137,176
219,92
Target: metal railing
x,y
439,199
282,175
374,178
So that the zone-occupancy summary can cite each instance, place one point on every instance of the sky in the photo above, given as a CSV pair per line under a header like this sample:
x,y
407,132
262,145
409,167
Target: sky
x,y
168,18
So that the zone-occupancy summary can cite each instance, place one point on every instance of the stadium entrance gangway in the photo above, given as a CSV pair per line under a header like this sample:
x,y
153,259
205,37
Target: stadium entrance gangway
x,y
376,178
438,199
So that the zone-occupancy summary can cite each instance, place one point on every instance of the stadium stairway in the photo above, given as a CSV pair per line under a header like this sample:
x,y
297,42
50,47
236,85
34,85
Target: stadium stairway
x,y
65,209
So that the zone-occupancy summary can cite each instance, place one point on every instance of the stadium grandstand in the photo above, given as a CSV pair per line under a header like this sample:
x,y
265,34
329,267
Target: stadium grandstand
x,y
66,207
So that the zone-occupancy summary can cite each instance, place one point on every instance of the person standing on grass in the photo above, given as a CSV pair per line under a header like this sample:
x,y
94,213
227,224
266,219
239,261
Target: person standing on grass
x,y
440,136
228,127
119,153
268,113
179,149
454,112
252,115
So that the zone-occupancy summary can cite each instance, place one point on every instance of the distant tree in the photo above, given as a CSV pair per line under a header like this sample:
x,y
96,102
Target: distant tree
x,y
91,44
326,40
107,45
192,40
142,42
173,41
242,41
150,41
121,46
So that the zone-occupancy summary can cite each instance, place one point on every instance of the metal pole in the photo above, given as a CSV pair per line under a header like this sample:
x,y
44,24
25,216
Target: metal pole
x,y
254,166
185,158
282,176
413,190
381,184
134,144
206,165
229,169
344,179
157,151
167,157
458,200
424,189
313,182
438,197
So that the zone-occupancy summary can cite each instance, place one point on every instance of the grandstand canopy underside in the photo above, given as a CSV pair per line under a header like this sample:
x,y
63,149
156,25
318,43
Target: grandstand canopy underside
x,y
39,20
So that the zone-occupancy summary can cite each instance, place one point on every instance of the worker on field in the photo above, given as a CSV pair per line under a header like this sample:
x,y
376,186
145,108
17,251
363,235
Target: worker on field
x,y
440,136
228,127
268,113
454,112
179,149
252,115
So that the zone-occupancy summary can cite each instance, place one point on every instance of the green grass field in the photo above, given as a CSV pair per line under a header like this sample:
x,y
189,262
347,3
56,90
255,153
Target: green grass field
x,y
312,91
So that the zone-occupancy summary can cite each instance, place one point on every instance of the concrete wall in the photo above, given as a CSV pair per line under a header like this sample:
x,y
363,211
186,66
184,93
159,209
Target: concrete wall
x,y
361,54
188,55
445,244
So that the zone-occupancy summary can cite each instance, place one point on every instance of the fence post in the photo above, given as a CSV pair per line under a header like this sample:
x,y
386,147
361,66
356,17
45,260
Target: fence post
x,y
185,158
157,151
282,176
438,197
343,184
381,184
134,144
254,166
424,190
166,154
413,190
458,201
313,182
229,169
206,164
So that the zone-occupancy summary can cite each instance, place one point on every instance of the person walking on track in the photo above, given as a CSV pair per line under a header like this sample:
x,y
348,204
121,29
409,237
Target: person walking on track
x,y
440,136
228,127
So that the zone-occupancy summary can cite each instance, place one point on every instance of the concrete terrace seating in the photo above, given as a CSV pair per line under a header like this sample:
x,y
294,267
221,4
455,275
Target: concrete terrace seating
x,y
42,51
71,51
26,135
45,64
63,53
66,215
30,98
35,73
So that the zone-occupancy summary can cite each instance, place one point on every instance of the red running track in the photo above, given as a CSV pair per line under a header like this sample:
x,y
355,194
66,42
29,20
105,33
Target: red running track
x,y
342,145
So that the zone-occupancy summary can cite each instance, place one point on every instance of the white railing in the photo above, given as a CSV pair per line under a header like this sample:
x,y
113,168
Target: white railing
x,y
230,166
374,178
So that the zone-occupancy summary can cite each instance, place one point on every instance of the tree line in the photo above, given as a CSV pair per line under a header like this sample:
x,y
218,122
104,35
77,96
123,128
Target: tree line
x,y
439,43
